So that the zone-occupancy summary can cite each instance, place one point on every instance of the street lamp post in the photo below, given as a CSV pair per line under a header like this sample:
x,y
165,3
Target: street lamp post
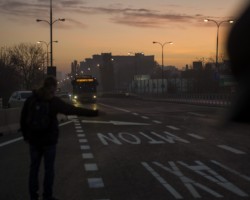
x,y
51,22
162,64
217,38
47,49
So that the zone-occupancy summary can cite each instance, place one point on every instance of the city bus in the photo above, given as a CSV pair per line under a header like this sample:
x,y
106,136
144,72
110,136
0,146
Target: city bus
x,y
84,88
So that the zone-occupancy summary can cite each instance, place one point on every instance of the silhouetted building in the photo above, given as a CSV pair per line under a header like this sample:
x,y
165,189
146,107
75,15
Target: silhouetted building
x,y
107,73
74,68
197,65
125,68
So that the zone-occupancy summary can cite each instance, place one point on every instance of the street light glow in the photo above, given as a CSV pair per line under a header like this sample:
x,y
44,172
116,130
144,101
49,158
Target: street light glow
x,y
162,65
51,22
47,46
217,38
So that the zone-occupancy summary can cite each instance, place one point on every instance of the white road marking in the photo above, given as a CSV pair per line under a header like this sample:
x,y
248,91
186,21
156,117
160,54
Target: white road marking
x,y
195,136
135,139
196,114
173,128
81,135
162,181
231,170
83,140
72,117
236,151
87,155
11,141
91,167
116,108
136,114
214,177
84,147
189,183
65,123
95,182
79,131
201,169
157,122
145,117
21,138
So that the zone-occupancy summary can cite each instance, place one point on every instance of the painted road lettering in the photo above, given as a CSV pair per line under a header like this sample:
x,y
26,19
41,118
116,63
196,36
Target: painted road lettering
x,y
211,175
192,185
129,138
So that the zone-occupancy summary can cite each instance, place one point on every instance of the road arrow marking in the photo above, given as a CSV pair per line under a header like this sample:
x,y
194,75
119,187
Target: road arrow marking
x,y
113,122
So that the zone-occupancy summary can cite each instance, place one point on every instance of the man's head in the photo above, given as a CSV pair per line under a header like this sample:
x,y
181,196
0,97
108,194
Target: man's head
x,y
50,86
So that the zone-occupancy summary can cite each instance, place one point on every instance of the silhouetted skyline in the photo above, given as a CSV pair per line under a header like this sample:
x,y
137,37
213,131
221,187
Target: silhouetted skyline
x,y
119,27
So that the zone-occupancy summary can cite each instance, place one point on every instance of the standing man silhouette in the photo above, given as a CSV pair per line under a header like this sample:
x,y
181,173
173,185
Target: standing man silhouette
x,y
42,142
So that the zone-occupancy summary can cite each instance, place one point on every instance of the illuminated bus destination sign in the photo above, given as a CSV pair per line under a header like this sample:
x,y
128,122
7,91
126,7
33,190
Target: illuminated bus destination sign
x,y
82,80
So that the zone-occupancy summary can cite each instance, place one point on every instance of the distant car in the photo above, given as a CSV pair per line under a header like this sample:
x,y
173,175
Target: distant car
x,y
64,96
18,98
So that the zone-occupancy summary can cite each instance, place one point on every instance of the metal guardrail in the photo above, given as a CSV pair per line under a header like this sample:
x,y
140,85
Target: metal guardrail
x,y
221,100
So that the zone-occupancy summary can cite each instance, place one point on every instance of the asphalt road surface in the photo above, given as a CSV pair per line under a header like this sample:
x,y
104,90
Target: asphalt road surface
x,y
139,150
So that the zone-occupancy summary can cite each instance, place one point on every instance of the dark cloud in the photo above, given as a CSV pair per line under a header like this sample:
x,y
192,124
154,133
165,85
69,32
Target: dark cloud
x,y
71,3
117,13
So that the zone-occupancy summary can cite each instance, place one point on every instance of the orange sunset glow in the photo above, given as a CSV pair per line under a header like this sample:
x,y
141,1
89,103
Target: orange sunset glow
x,y
121,26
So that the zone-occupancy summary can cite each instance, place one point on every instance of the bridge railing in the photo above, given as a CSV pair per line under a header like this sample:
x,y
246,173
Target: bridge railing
x,y
222,100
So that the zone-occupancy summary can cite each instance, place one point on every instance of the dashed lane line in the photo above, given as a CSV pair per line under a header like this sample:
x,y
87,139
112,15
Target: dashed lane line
x,y
95,182
173,128
83,140
81,135
233,150
157,122
195,136
84,147
91,167
87,155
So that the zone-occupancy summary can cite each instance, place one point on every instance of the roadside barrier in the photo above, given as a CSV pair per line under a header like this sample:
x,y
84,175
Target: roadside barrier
x,y
220,100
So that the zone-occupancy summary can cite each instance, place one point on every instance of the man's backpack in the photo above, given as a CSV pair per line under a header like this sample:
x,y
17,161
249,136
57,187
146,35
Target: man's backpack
x,y
38,117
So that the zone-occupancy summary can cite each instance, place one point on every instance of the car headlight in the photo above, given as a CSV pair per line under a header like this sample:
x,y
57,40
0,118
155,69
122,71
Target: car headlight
x,y
94,96
75,97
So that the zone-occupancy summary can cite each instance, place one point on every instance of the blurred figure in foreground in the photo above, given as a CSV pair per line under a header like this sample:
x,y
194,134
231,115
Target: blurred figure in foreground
x,y
39,126
238,47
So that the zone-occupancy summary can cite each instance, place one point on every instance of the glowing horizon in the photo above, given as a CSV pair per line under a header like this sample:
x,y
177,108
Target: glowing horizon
x,y
119,27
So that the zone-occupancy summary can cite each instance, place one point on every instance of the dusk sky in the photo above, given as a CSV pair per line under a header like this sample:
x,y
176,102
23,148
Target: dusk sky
x,y
120,26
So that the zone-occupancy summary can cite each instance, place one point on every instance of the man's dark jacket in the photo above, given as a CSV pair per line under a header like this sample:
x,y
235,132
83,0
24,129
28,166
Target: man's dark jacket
x,y
56,105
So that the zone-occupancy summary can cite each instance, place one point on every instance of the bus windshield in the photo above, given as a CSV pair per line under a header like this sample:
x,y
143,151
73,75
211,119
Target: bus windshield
x,y
85,87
